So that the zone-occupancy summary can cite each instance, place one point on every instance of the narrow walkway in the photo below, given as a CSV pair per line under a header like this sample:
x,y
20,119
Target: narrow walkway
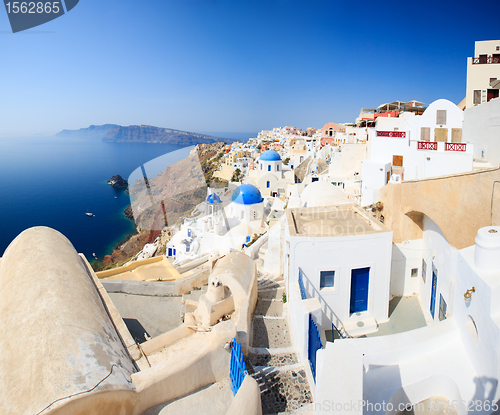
x,y
272,361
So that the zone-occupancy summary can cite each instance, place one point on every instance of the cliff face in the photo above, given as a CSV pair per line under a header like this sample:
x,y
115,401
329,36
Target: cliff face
x,y
113,133
94,132
173,194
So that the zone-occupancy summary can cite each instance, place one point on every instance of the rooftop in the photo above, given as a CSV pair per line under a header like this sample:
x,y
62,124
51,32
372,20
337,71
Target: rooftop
x,y
345,220
152,269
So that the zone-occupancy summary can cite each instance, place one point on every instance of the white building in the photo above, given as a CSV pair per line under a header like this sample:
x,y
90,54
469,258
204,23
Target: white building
x,y
483,73
415,147
343,257
230,221
455,359
482,128
268,176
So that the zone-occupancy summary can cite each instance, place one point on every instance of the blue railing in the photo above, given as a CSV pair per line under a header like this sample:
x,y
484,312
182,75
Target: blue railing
x,y
301,285
314,292
314,345
237,371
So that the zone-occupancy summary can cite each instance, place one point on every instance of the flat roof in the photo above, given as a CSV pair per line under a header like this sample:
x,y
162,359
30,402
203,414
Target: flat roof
x,y
338,221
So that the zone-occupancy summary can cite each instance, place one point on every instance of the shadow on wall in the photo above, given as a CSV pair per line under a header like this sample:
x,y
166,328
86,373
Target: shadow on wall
x,y
486,389
136,329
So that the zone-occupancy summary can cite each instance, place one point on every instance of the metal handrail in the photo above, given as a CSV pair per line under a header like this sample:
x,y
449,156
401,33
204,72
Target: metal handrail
x,y
328,310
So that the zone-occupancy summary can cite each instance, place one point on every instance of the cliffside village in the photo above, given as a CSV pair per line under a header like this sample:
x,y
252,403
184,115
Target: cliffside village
x,y
352,269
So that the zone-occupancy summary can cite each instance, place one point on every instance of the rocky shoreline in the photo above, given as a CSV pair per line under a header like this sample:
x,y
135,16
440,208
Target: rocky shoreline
x,y
177,205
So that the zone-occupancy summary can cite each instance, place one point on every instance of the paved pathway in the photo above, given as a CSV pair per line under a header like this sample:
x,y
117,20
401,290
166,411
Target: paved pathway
x,y
272,361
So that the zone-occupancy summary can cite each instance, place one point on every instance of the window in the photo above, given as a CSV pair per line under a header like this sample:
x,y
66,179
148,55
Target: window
x,y
492,80
482,154
397,161
268,184
477,97
471,326
441,134
442,308
277,167
169,252
424,270
491,93
498,47
174,251
269,168
326,279
456,135
425,134
315,179
414,272
189,233
441,117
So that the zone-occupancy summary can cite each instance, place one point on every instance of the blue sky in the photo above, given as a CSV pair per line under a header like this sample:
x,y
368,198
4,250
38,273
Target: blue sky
x,y
235,65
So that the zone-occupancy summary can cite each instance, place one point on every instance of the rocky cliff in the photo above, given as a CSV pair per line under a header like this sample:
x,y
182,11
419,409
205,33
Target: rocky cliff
x,y
113,133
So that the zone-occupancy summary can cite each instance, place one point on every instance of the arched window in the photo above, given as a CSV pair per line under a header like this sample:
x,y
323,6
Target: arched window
x,y
269,168
471,326
268,184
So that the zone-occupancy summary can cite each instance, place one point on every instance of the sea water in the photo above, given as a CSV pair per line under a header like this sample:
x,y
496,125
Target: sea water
x,y
54,182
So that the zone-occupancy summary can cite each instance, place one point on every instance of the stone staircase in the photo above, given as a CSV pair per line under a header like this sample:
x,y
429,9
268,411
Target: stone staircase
x,y
272,360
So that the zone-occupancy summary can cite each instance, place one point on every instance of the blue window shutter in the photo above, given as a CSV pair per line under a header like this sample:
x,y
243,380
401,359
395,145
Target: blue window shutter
x,y
269,168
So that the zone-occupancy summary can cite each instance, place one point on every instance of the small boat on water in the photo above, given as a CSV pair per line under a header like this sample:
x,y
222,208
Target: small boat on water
x,y
89,214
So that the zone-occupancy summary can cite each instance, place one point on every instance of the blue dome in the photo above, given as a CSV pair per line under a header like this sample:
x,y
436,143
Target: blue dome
x,y
270,155
213,199
246,194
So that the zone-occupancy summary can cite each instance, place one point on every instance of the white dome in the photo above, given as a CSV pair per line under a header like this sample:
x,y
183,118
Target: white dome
x,y
322,193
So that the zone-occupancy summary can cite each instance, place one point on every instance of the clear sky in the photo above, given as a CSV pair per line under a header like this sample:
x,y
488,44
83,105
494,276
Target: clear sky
x,y
234,65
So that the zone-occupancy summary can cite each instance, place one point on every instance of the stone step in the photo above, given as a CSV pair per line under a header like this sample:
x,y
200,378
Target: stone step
x,y
283,390
271,293
269,307
275,360
266,283
270,332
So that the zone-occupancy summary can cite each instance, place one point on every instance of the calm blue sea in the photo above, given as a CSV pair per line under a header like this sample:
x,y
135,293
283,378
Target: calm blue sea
x,y
53,182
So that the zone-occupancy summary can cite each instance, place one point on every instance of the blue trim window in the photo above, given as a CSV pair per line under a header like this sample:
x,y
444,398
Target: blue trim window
x,y
169,252
326,279
269,168
189,233
277,167
174,251
442,308
268,184
261,166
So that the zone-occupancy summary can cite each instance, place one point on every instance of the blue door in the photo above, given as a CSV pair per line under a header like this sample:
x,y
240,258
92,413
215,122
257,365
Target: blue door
x,y
359,289
433,290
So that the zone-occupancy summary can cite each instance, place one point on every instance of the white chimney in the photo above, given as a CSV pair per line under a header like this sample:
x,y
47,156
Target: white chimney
x,y
487,253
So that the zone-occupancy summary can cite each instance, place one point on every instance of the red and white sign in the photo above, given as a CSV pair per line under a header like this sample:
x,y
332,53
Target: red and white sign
x,y
455,147
427,145
394,134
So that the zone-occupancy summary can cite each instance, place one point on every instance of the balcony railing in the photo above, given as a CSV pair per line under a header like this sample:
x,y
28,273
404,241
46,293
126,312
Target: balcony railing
x,y
394,134
455,147
481,61
427,145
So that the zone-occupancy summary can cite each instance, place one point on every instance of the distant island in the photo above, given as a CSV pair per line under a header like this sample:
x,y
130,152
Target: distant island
x,y
113,133
117,181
